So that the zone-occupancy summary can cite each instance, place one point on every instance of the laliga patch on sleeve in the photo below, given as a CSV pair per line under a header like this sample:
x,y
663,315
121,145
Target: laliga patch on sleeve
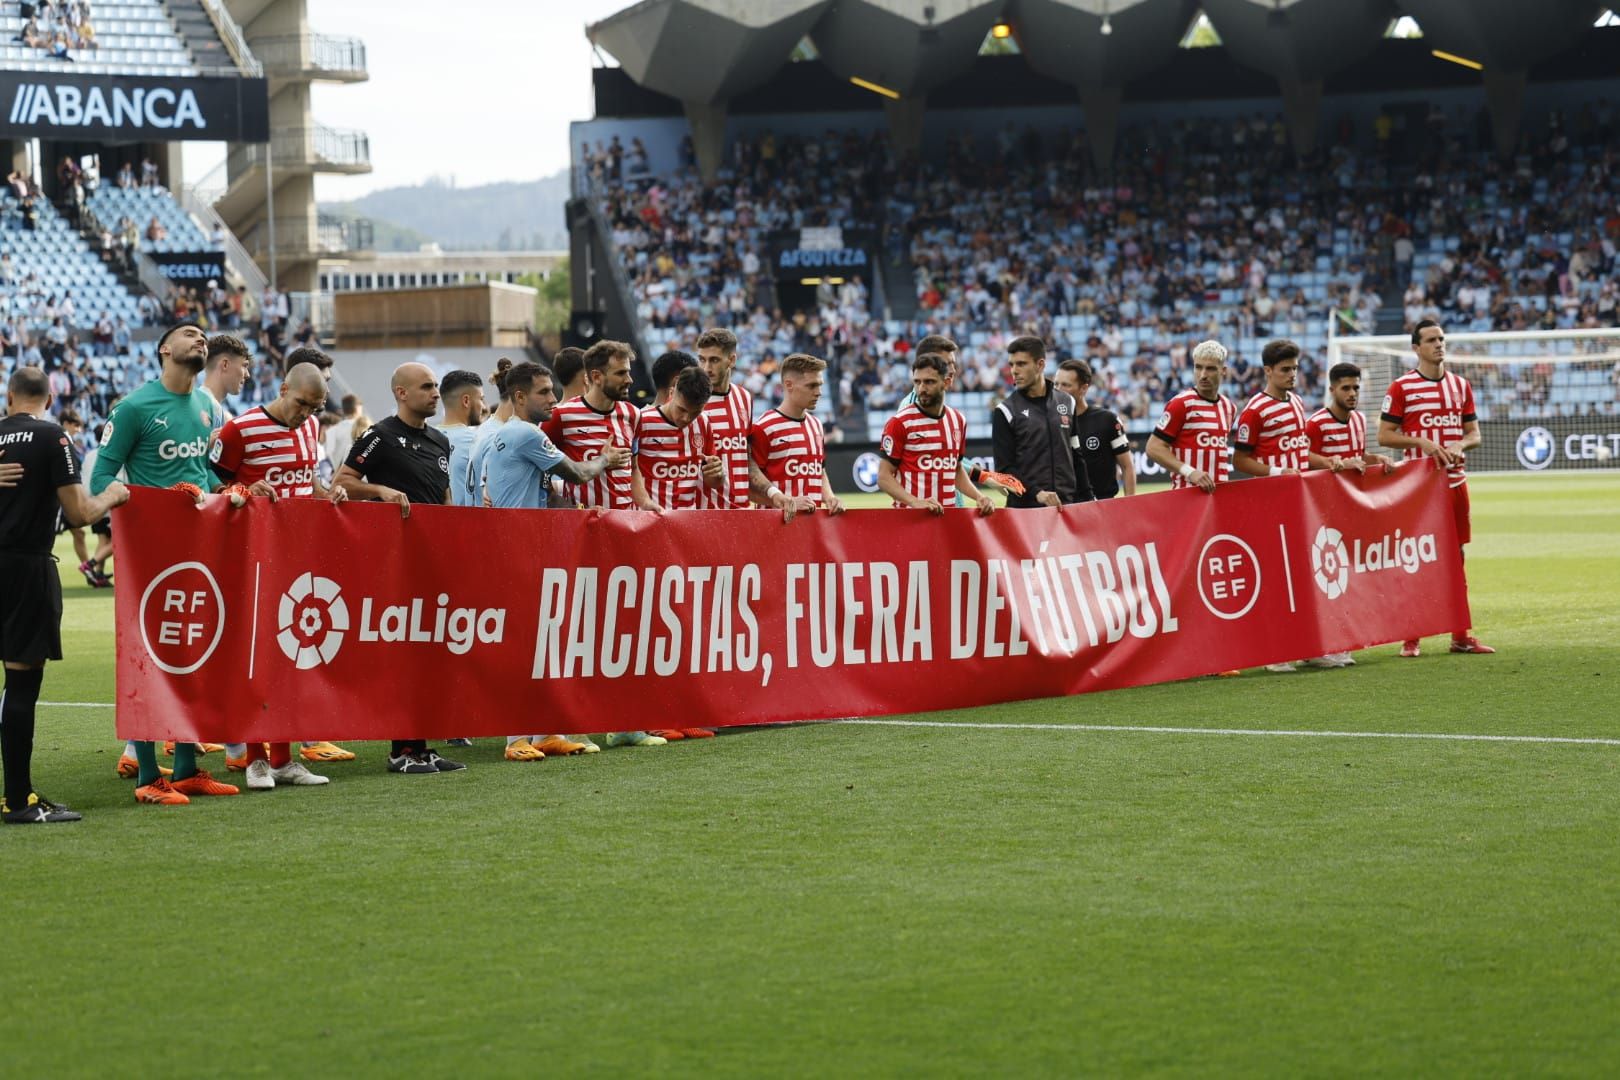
x,y
215,450
888,445
1164,421
1389,401
1243,433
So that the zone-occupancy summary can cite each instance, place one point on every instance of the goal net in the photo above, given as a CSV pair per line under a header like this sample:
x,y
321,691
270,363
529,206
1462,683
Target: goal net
x,y
1547,399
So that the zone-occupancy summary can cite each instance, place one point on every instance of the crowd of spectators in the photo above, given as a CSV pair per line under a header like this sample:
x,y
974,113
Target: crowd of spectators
x,y
1202,230
57,28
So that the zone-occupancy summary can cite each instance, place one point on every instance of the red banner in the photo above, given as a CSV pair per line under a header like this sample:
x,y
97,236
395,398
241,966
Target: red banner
x,y
303,620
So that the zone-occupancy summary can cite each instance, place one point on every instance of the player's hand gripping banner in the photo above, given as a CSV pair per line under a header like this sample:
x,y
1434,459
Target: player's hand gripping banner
x,y
304,620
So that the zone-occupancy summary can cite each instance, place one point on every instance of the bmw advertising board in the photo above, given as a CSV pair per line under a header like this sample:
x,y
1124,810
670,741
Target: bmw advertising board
x,y
1576,442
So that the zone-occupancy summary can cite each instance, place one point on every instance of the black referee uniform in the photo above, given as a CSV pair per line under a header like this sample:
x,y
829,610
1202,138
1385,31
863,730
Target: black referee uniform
x,y
30,596
31,601
1100,440
412,460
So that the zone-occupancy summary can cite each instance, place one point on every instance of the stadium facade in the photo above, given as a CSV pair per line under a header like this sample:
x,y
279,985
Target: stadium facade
x,y
707,89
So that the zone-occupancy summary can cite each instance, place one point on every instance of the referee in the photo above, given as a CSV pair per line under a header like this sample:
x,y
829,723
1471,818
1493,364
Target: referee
x,y
1032,432
402,459
31,601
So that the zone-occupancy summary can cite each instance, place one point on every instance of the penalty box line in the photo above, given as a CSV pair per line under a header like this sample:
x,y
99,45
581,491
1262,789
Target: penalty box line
x,y
1152,730
1565,740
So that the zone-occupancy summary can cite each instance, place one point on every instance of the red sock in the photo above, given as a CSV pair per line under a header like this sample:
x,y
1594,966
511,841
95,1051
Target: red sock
x,y
255,751
280,754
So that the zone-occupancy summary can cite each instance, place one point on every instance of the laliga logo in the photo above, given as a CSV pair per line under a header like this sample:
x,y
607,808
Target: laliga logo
x,y
866,472
1332,565
312,621
1330,562
182,631
1535,448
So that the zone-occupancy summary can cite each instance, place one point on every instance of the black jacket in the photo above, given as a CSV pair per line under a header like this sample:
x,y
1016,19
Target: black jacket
x,y
1034,440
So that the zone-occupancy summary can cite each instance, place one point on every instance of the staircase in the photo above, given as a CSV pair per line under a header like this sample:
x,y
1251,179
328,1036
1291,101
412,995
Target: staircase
x,y
899,282
196,29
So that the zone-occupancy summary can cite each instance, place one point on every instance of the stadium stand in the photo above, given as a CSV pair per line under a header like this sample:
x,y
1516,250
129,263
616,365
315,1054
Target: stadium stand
x,y
1204,231
127,37
145,206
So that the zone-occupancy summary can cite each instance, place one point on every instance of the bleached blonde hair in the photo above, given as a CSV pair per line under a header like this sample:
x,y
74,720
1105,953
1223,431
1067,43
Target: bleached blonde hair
x,y
1209,350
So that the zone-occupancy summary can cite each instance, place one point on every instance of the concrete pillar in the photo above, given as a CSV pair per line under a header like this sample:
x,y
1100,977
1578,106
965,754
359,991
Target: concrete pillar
x,y
1504,91
906,123
708,124
1302,107
1101,106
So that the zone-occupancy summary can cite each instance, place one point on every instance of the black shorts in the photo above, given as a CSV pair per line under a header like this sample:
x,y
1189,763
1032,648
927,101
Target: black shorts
x,y
103,527
30,609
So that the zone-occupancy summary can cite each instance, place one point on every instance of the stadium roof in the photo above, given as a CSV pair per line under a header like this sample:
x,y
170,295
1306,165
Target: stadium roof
x,y
705,52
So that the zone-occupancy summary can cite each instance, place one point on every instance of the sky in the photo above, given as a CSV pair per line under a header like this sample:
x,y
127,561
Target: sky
x,y
481,90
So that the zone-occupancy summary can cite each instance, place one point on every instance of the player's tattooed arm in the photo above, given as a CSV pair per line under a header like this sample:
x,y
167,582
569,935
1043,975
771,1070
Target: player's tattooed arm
x,y
613,456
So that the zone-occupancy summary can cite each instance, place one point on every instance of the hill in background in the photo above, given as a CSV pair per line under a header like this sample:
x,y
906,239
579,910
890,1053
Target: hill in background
x,y
521,215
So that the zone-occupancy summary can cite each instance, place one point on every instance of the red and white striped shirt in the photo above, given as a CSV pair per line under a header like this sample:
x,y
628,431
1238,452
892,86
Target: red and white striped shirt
x,y
730,415
1433,409
926,450
1197,428
1273,431
256,446
791,453
581,432
1332,437
671,458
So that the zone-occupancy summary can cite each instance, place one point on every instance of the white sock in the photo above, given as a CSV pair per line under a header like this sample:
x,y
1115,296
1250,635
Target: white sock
x,y
510,739
236,749
129,749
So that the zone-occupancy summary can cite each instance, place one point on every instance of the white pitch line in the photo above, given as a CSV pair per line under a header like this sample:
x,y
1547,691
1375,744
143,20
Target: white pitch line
x,y
1441,736
1137,728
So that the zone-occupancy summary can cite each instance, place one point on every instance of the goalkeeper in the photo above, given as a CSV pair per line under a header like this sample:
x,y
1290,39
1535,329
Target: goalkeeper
x,y
158,437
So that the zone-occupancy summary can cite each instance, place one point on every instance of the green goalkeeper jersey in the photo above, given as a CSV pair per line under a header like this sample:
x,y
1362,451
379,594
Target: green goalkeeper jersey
x,y
158,439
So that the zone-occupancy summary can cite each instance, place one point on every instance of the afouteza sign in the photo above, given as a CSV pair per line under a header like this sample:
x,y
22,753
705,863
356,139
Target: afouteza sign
x,y
130,107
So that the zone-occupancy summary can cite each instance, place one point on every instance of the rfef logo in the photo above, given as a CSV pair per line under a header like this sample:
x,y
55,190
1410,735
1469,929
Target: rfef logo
x,y
1330,562
1535,448
312,621
1228,576
182,616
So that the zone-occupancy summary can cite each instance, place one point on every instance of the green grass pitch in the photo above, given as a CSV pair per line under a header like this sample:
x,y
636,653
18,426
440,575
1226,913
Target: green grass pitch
x,y
884,900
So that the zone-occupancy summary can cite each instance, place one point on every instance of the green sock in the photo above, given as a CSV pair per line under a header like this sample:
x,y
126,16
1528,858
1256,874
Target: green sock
x,y
146,756
185,760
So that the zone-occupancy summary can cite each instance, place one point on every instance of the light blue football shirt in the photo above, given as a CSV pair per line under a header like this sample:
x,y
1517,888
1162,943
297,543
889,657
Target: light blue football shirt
x,y
518,460
461,438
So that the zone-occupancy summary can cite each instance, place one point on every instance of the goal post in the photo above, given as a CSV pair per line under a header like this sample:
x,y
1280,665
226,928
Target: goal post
x,y
1547,399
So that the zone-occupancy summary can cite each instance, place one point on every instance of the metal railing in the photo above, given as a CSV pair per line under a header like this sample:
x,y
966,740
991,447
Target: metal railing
x,y
334,147
231,34
322,54
317,307
198,200
301,237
